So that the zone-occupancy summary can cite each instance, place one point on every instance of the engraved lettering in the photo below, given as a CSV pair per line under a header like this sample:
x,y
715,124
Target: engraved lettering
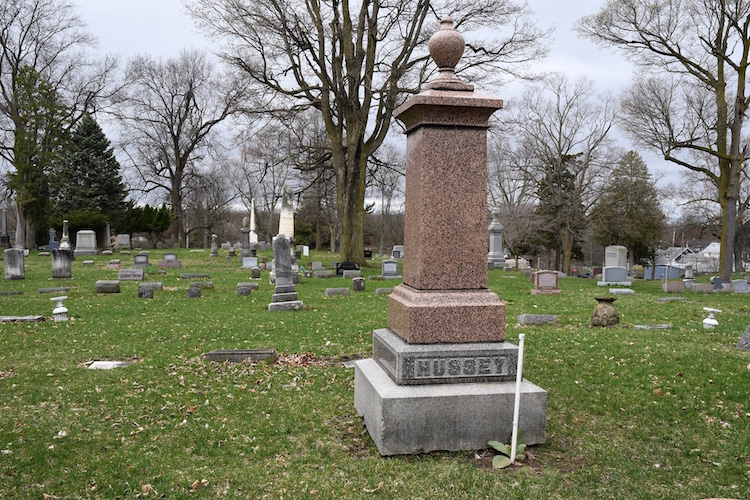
x,y
501,365
454,367
469,367
484,366
438,367
423,368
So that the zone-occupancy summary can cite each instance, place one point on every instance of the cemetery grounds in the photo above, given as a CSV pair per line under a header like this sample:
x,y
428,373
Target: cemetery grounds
x,y
631,413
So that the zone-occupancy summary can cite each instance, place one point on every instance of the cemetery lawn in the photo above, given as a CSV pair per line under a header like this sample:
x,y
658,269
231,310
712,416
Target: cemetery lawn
x,y
631,413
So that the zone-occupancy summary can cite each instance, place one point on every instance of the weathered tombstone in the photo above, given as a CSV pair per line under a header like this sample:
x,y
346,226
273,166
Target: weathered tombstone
x,y
689,272
4,237
61,264
203,285
496,256
346,266
337,292
744,342
358,284
285,297
537,319
545,283
170,260
155,285
14,264
244,289
65,238
140,260
673,286
350,274
249,262
702,288
193,292
286,218
740,286
397,252
253,232
317,266
130,275
255,273
214,246
107,286
85,242
442,377
122,241
231,254
145,292
383,291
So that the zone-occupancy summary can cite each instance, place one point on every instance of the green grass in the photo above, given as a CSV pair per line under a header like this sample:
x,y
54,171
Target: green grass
x,y
631,413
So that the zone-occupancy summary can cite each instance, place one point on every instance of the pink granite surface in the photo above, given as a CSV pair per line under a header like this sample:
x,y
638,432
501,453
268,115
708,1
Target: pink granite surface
x,y
428,317
445,227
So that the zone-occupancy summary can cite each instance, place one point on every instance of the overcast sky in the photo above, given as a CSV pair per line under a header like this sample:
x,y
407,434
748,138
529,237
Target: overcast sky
x,y
161,28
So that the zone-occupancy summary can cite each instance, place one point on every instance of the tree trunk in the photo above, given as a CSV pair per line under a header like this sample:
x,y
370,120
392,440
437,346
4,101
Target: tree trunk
x,y
567,250
726,261
350,197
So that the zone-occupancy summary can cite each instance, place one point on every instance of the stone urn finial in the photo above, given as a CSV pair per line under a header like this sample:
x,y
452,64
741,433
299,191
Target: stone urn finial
x,y
446,48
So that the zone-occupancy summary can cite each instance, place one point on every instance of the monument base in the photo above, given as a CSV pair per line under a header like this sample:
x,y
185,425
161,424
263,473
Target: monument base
x,y
292,305
408,419
446,316
545,292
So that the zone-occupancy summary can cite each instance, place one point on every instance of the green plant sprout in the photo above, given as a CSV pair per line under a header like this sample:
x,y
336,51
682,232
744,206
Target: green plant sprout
x,y
502,461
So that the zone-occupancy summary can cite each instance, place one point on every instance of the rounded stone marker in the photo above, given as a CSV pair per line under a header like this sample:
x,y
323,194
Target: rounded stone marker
x,y
193,292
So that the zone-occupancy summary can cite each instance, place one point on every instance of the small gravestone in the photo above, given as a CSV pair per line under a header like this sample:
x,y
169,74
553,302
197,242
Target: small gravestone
x,y
244,289
107,252
285,297
13,292
352,274
140,260
145,292
124,252
337,292
688,282
744,342
324,274
702,288
238,355
397,252
689,272
346,266
43,254
537,319
673,286
156,286
231,254
390,270
383,291
21,319
107,286
368,254
108,365
545,283
214,246
169,260
186,276
130,275
14,264
113,264
718,283
62,289
122,241
308,274
203,285
255,273
85,242
193,292
740,286
358,284
249,262
621,291
61,264
659,326
317,266
88,262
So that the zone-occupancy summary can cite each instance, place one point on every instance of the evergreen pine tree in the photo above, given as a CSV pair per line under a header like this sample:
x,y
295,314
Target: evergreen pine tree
x,y
90,178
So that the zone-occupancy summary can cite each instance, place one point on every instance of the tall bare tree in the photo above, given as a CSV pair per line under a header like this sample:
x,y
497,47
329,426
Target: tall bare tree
x,y
564,132
49,39
696,55
169,111
354,62
388,168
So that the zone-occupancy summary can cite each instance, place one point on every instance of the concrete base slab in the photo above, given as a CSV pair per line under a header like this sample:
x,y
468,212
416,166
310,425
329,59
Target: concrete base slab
x,y
419,419
614,283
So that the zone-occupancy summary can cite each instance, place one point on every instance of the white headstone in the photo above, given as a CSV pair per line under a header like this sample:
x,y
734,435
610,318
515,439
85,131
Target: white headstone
x,y
616,256
85,242
286,219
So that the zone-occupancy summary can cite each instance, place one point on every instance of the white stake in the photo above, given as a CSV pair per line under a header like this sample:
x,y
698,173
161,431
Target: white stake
x,y
517,405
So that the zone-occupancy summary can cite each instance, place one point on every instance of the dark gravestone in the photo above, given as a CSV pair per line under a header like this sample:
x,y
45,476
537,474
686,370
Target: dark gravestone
x,y
130,275
107,286
193,292
346,266
368,254
145,292
285,297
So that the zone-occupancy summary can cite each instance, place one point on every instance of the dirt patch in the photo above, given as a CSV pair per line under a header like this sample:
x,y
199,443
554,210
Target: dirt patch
x,y
535,460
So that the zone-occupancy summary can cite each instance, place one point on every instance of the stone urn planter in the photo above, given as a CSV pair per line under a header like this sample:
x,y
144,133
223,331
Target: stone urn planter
x,y
605,313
